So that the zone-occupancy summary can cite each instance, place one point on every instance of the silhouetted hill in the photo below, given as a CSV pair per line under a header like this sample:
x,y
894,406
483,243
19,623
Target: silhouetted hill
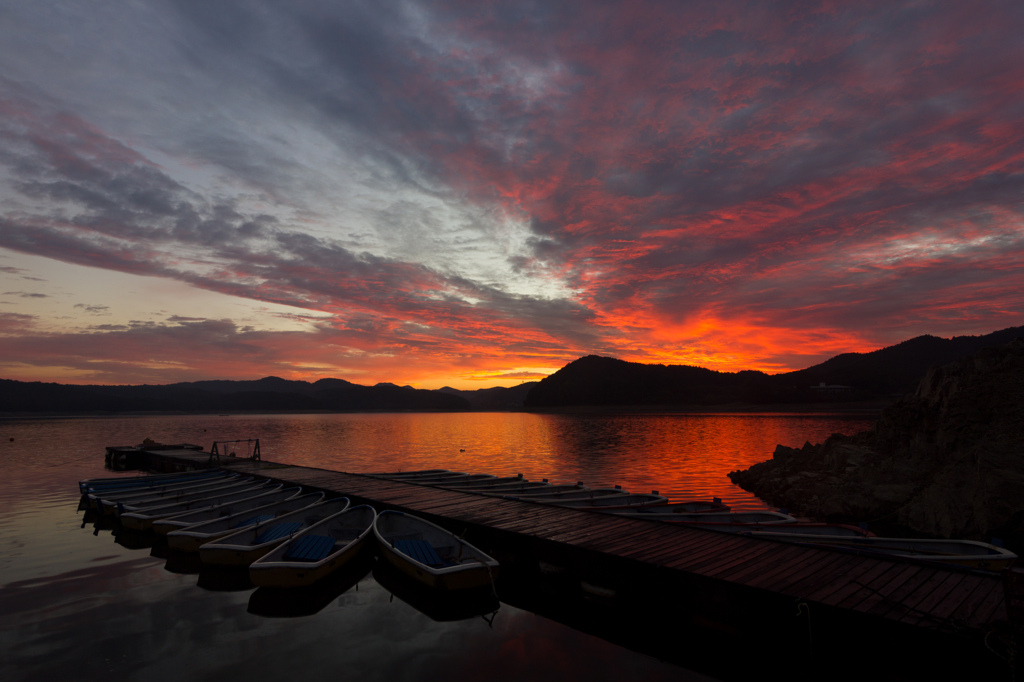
x,y
270,394
496,399
601,381
884,374
592,381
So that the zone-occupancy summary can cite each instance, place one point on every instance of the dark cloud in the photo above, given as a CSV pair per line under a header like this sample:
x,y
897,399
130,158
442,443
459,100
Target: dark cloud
x,y
762,168
25,294
93,309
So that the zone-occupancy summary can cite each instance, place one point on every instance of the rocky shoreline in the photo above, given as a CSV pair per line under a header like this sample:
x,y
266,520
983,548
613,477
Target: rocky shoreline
x,y
946,461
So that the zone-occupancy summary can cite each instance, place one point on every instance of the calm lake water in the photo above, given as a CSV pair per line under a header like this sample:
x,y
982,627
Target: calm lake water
x,y
79,606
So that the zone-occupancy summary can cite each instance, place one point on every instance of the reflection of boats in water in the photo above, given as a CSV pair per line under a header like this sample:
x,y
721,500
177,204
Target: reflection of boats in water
x,y
317,551
275,602
428,553
439,606
224,579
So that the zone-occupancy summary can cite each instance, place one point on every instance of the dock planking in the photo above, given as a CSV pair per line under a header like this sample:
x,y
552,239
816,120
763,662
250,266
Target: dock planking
x,y
928,596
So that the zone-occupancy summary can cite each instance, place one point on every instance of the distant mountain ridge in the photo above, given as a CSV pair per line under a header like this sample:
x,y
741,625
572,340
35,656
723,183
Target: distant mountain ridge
x,y
591,381
884,374
271,394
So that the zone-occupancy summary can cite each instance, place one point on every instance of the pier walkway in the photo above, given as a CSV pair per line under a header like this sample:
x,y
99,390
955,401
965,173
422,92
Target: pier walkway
x,y
616,555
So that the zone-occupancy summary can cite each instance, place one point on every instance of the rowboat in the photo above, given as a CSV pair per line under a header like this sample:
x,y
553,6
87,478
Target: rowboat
x,y
192,538
125,482
404,474
445,480
531,488
430,554
613,502
486,482
809,532
435,478
183,497
143,519
190,518
441,607
691,507
107,501
727,521
249,544
568,496
274,602
959,552
522,487
317,551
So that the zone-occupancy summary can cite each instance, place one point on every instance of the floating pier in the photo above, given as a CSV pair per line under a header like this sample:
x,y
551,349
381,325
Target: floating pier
x,y
817,603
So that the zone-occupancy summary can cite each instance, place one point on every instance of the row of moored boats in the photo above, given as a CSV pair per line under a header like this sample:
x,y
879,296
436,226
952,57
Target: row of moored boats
x,y
284,537
712,515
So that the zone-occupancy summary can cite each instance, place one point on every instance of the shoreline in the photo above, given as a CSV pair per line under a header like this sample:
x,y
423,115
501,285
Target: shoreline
x,y
861,409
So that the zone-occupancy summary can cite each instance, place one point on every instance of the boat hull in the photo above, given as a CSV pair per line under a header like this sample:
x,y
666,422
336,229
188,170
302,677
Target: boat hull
x,y
273,570
474,569
246,546
190,539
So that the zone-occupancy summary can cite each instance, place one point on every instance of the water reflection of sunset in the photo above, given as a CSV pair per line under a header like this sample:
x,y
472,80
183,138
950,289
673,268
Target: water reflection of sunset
x,y
682,456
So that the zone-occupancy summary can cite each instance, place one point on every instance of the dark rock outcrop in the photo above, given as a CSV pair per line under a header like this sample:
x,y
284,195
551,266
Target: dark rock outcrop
x,y
946,461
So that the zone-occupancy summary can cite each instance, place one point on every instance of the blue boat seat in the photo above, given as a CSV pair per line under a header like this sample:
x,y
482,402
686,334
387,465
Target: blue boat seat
x,y
422,551
253,520
277,531
309,548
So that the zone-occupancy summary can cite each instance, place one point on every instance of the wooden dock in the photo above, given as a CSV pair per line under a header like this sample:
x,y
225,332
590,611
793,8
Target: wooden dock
x,y
735,582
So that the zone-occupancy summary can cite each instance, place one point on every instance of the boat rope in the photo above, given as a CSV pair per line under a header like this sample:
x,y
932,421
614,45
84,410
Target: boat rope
x,y
802,608
1010,655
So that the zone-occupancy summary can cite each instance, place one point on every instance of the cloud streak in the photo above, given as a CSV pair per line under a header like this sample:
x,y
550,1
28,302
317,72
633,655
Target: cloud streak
x,y
481,189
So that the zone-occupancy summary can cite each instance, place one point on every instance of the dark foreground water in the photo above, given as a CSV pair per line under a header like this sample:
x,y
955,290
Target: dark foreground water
x,y
77,605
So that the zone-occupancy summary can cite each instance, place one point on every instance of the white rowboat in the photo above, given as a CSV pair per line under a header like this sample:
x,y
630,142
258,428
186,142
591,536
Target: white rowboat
x,y
318,551
430,554
192,538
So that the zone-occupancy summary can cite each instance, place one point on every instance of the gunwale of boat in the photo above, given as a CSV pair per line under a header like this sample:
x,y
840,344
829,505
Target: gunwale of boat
x,y
151,506
978,554
475,570
192,538
611,502
406,474
143,519
719,520
156,492
194,517
95,484
455,481
812,531
486,483
241,547
273,570
511,488
436,478
584,494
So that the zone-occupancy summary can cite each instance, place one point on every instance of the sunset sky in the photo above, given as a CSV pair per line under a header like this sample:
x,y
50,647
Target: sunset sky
x,y
476,193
